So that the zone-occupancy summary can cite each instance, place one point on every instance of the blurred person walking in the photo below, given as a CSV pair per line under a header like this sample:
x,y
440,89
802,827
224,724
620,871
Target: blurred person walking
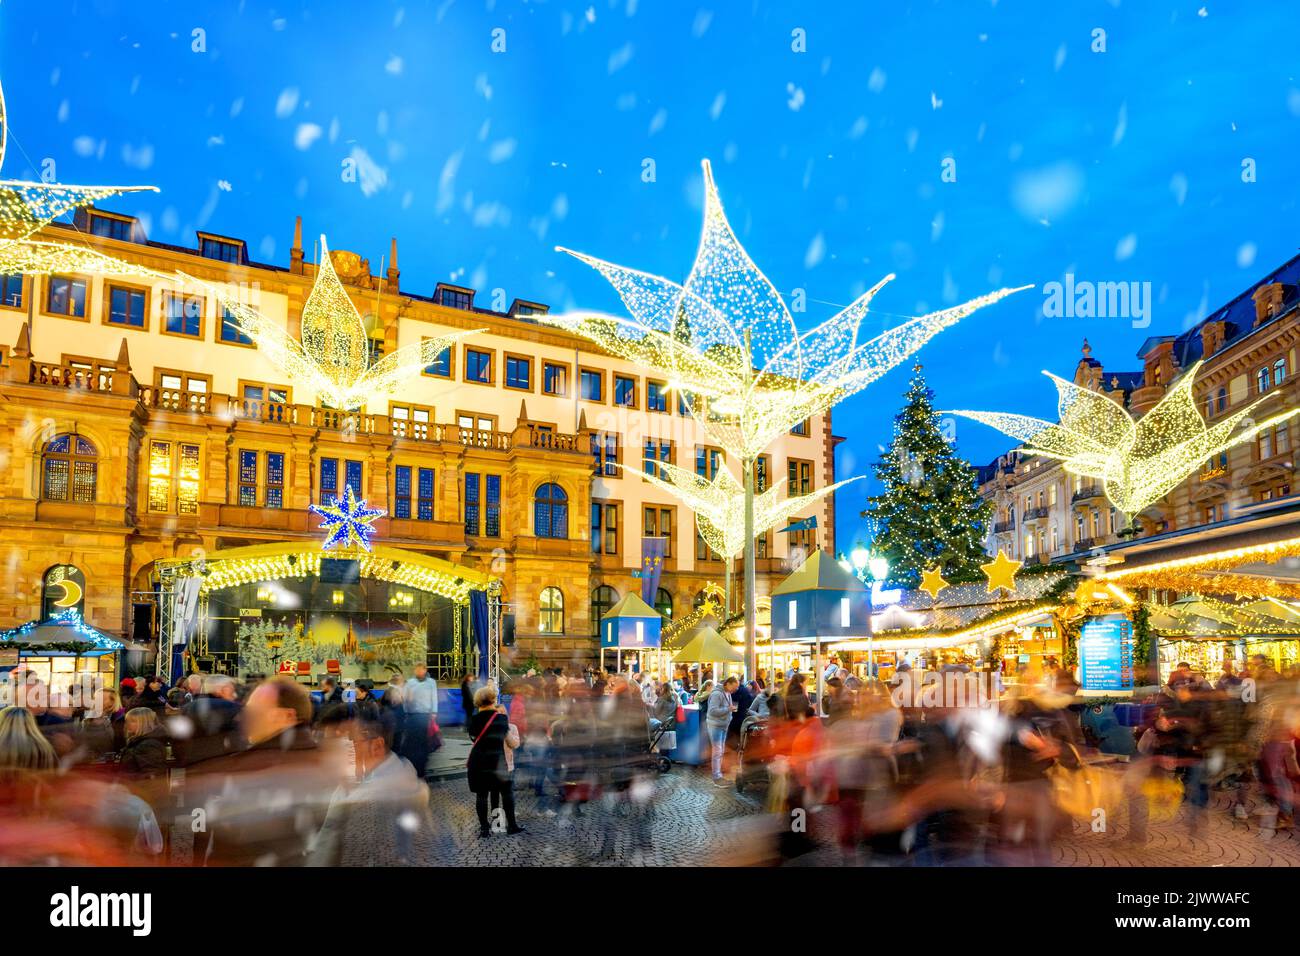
x,y
420,711
717,717
486,768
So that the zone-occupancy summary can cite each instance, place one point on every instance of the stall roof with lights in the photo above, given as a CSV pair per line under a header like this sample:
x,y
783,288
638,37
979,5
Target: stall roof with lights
x,y
297,559
64,634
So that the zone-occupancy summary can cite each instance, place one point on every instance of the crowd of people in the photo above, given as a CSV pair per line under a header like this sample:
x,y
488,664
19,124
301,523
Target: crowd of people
x,y
273,774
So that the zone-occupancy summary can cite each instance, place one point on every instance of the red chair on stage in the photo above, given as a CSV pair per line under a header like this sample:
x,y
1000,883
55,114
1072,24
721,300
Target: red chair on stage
x,y
304,670
332,668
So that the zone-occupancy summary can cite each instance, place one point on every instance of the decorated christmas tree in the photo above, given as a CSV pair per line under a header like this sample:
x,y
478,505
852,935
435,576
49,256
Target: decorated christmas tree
x,y
929,512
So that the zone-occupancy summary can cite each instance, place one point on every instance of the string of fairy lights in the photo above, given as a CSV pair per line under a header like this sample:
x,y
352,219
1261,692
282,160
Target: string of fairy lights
x,y
333,355
719,504
1138,461
731,346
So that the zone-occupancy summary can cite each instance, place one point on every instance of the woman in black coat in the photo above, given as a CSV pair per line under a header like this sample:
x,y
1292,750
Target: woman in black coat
x,y
486,767
145,753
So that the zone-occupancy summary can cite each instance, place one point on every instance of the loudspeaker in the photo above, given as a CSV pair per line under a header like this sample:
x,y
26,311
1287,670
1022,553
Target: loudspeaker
x,y
507,630
142,623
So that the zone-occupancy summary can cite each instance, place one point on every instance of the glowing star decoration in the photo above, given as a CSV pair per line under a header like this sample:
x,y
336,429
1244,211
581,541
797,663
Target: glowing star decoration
x,y
719,504
28,207
731,347
348,521
932,582
1001,572
333,358
1138,462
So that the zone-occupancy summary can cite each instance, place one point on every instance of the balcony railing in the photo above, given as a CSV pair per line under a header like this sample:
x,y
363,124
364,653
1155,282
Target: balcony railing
x,y
1087,544
71,376
1087,492
1002,527
1034,514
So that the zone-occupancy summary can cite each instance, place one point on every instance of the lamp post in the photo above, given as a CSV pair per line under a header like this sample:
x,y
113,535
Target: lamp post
x,y
871,570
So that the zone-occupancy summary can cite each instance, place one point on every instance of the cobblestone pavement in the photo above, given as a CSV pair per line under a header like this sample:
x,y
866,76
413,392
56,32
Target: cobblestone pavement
x,y
687,821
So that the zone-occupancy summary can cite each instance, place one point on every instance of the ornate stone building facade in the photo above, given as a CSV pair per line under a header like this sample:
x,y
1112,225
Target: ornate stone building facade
x,y
1248,351
138,423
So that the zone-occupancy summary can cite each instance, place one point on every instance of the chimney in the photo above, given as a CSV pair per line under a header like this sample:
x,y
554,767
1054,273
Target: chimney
x,y
295,254
393,272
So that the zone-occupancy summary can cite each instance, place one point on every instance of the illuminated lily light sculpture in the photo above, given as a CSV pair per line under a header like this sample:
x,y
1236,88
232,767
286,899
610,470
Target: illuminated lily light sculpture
x,y
27,207
1138,462
719,507
731,349
333,358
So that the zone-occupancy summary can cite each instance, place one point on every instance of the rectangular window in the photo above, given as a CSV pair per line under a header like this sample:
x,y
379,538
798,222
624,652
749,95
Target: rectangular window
x,y
492,506
187,481
471,504
604,453
160,476
248,479
11,290
454,298
801,428
656,452
221,251
555,380
424,499
275,479
410,421
519,372
402,491
604,527
183,314
799,477
230,330
183,474
762,473
625,391
658,523
708,461
66,297
352,477
702,550
329,480
110,228
656,397
478,366
591,385
441,366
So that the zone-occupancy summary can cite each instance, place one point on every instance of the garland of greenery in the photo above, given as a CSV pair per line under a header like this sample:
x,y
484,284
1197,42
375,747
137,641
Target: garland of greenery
x,y
1141,634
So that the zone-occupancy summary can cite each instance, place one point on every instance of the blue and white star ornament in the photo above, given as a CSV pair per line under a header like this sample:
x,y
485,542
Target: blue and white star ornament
x,y
348,521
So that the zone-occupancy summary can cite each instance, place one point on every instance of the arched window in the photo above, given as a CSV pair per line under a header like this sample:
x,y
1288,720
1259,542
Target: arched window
x,y
1279,372
1223,399
1261,379
62,589
551,620
700,597
602,599
551,512
664,603
69,467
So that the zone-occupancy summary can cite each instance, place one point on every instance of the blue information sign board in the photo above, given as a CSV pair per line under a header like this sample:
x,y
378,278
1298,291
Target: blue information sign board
x,y
1106,653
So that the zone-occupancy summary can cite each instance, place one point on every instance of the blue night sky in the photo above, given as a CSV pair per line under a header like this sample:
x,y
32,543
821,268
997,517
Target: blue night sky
x,y
1117,166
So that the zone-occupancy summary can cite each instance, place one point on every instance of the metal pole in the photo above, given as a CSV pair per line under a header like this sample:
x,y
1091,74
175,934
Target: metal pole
x,y
751,572
871,634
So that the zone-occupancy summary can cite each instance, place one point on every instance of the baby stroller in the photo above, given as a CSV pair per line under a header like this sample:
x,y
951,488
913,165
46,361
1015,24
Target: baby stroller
x,y
662,762
754,750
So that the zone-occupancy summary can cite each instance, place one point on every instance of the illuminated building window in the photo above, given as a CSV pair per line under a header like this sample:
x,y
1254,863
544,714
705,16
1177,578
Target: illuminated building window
x,y
173,475
551,619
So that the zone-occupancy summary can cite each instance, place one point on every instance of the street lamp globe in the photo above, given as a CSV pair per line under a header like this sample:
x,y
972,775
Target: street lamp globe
x,y
879,569
861,557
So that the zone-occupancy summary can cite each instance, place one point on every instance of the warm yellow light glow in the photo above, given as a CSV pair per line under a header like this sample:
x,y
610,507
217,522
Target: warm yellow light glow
x,y
1119,592
1138,462
932,582
730,346
333,358
719,505
1001,572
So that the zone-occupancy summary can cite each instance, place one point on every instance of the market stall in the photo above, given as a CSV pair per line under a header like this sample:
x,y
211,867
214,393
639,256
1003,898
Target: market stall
x,y
63,651
632,630
703,646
